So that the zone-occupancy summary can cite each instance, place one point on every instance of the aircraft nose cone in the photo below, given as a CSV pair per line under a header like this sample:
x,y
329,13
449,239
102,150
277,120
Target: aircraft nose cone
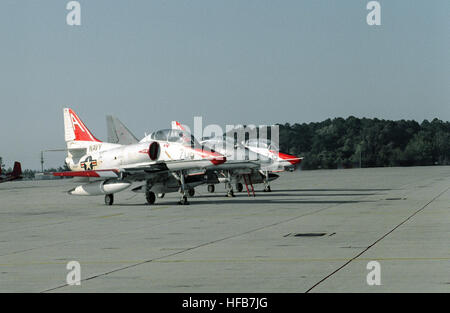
x,y
295,160
290,158
218,160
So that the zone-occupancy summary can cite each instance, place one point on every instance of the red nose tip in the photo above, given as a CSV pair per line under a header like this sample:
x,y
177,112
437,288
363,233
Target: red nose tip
x,y
290,158
218,160
295,161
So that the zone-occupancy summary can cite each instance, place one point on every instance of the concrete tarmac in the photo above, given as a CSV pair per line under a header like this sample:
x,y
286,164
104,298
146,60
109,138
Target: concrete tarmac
x,y
316,232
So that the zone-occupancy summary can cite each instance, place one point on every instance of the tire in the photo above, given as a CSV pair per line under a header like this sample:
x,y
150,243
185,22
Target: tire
x,y
211,188
150,196
239,187
231,194
183,201
191,192
267,189
109,199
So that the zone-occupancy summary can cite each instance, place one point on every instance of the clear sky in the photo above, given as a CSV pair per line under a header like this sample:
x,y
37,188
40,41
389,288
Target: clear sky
x,y
229,61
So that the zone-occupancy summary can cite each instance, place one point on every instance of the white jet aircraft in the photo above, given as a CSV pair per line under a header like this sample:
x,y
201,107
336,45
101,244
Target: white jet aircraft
x,y
240,169
236,170
268,157
163,164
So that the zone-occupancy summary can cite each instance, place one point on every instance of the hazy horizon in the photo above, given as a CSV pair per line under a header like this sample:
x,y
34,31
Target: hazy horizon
x,y
231,62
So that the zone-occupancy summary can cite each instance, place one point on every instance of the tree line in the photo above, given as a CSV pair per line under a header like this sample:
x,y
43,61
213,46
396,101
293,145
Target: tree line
x,y
365,142
357,142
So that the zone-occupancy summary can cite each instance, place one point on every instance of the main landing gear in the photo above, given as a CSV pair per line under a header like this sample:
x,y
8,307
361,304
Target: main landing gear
x,y
150,196
183,190
109,199
183,201
228,185
239,187
230,192
266,182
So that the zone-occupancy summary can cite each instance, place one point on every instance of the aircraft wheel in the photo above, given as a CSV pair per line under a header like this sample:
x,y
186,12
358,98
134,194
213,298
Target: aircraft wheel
x,y
183,201
211,188
191,192
267,189
150,196
230,194
239,187
161,195
109,199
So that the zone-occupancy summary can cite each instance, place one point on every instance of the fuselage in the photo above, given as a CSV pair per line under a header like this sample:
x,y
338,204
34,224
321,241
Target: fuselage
x,y
101,156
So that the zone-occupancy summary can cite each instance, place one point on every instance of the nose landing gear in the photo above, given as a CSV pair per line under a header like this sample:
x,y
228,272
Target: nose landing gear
x,y
183,201
150,196
183,190
109,199
266,182
230,192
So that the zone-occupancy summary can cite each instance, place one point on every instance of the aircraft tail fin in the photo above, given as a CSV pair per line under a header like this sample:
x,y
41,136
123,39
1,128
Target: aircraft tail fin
x,y
74,128
176,125
118,132
17,170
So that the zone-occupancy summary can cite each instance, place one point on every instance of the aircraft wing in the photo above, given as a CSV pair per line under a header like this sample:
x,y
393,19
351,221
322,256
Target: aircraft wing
x,y
139,170
174,165
231,165
115,173
92,173
7,179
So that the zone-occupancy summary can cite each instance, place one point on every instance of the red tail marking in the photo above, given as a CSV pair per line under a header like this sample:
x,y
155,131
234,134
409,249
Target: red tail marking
x,y
179,125
17,170
82,133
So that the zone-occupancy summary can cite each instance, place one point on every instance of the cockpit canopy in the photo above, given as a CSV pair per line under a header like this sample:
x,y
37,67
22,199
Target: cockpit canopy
x,y
261,143
176,136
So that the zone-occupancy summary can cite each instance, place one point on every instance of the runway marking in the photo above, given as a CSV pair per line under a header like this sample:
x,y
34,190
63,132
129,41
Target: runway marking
x,y
378,240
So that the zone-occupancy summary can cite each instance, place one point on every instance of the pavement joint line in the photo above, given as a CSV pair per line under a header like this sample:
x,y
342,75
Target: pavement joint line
x,y
141,213
196,247
69,241
378,240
